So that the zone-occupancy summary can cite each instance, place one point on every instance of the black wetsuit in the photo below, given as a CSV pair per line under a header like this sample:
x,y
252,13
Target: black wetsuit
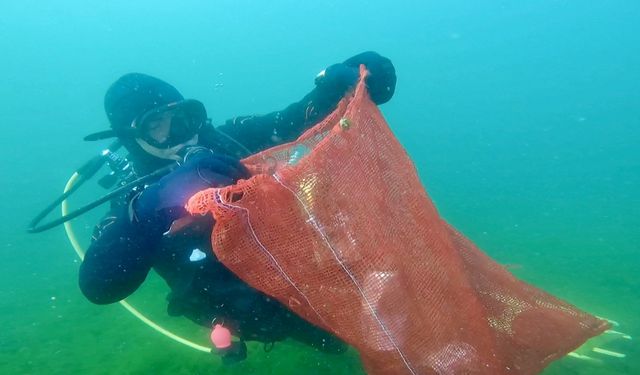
x,y
122,252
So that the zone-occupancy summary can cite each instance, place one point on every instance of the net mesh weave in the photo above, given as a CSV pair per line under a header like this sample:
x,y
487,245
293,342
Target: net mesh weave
x,y
337,226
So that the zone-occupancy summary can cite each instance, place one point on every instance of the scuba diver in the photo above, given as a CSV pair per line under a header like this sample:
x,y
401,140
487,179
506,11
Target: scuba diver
x,y
158,128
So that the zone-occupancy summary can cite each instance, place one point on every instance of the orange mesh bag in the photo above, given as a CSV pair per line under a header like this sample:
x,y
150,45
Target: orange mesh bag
x,y
338,227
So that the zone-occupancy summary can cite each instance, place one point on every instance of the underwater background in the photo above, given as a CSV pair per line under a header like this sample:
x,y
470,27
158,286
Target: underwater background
x,y
522,118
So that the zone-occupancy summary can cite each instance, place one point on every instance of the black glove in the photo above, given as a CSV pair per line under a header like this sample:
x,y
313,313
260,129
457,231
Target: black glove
x,y
338,77
163,202
381,81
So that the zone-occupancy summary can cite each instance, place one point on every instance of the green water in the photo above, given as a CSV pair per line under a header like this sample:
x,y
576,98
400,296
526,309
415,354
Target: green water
x,y
521,117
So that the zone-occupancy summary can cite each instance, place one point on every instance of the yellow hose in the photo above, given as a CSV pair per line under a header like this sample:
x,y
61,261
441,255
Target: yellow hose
x,y
80,251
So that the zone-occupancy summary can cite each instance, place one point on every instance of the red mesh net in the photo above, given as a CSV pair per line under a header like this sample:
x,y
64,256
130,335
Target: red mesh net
x,y
338,227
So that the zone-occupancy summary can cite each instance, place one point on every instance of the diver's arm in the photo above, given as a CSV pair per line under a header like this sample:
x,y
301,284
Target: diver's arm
x,y
125,245
260,132
117,261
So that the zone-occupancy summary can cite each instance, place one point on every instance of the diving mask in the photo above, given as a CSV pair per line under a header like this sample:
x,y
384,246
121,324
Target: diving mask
x,y
170,125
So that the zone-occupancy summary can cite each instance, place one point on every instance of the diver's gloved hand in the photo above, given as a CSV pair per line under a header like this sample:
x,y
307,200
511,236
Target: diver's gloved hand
x,y
381,81
338,77
160,204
